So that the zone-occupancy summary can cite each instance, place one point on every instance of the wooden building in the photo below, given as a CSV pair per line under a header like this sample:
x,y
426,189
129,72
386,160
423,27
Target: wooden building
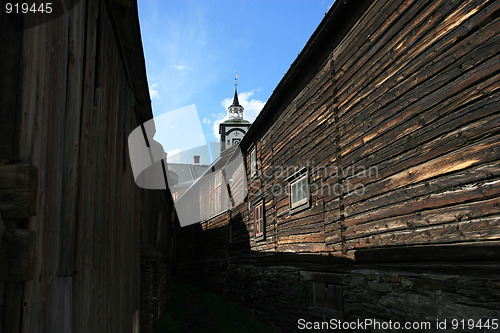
x,y
222,186
373,174
83,248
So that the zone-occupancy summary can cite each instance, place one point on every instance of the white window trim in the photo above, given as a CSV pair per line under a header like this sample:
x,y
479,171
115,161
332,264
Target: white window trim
x,y
253,161
293,180
262,235
218,179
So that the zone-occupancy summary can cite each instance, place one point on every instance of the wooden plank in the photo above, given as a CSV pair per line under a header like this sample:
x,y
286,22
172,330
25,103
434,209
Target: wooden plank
x,y
460,42
473,252
366,32
435,113
470,184
12,311
483,229
448,214
417,171
299,247
18,255
438,133
403,41
309,238
426,98
11,41
70,165
84,280
18,183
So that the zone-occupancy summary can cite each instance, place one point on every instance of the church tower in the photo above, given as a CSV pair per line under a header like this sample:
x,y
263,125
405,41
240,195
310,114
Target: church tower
x,y
232,130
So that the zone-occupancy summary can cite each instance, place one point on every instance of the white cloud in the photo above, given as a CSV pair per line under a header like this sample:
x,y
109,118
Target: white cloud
x,y
186,46
173,152
182,67
153,91
252,109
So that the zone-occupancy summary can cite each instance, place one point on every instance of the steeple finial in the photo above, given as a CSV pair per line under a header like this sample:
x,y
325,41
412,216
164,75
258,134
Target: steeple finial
x,y
235,110
235,98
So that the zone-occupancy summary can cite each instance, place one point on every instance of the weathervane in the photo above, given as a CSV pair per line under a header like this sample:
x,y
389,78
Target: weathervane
x,y
236,79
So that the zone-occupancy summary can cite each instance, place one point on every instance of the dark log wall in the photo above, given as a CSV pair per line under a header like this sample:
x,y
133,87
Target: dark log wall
x,y
100,258
419,100
399,129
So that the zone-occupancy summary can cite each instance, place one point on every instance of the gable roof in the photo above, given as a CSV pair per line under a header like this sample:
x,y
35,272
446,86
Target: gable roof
x,y
187,173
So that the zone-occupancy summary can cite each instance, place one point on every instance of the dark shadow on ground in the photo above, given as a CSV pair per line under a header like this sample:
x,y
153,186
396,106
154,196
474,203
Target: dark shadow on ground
x,y
193,309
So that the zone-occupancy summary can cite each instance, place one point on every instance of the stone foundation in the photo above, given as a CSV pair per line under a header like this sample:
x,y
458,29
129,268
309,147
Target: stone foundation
x,y
383,292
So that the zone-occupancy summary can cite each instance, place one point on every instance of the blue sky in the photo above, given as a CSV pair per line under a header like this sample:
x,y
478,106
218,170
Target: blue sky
x,y
193,49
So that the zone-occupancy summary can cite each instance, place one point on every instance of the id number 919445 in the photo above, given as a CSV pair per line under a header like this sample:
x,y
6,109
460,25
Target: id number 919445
x,y
27,8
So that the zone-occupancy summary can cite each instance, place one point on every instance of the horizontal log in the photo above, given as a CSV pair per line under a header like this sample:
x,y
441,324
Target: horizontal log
x,y
480,229
443,133
304,225
316,208
461,159
422,100
472,184
298,247
473,252
444,52
451,214
387,48
472,44
309,238
18,186
367,33
408,52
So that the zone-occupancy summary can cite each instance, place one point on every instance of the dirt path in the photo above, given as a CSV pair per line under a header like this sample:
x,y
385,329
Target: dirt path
x,y
194,310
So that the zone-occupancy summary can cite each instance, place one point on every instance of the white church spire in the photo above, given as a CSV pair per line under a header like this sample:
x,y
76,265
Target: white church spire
x,y
232,130
236,110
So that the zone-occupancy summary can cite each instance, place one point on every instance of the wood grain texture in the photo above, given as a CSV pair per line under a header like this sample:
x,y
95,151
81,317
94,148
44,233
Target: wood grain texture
x,y
101,258
399,129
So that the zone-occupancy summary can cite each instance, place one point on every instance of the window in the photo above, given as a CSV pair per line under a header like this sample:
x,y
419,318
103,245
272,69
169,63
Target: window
x,y
253,162
299,191
218,179
258,217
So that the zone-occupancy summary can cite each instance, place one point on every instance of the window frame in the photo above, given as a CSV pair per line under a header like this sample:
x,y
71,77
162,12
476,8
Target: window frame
x,y
260,207
294,180
253,161
218,179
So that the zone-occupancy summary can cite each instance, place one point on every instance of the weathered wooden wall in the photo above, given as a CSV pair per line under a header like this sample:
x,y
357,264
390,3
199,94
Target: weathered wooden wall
x,y
408,100
410,96
426,115
101,242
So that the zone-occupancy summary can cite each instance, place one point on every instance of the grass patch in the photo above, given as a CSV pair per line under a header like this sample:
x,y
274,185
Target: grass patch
x,y
196,310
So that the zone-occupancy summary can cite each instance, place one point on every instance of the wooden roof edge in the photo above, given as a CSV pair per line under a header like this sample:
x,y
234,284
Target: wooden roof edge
x,y
125,21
